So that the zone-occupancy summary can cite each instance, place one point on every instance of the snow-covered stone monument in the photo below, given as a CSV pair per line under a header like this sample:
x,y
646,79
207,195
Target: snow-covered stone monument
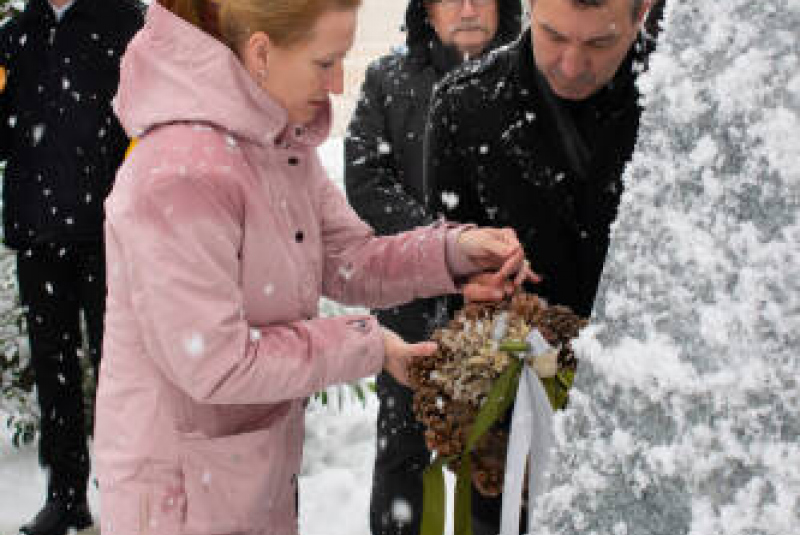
x,y
685,416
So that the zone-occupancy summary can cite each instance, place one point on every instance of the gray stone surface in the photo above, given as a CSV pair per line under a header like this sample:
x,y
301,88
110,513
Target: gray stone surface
x,y
686,413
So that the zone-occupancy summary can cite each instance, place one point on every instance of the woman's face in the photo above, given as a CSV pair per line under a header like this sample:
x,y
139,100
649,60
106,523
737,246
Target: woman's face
x,y
300,77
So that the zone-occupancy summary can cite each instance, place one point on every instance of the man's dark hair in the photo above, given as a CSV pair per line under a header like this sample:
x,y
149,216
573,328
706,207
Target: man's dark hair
x,y
636,5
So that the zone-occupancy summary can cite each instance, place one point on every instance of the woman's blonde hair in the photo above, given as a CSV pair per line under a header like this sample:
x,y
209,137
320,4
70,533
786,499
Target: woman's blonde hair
x,y
287,22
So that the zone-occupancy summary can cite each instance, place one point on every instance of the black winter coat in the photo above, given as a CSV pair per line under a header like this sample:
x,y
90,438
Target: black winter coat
x,y
384,143
60,139
506,151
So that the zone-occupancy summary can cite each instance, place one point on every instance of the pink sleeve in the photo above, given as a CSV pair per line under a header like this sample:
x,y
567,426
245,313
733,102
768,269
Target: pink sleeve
x,y
363,269
179,245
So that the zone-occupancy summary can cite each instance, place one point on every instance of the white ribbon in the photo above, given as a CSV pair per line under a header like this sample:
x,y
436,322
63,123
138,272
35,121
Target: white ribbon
x,y
531,440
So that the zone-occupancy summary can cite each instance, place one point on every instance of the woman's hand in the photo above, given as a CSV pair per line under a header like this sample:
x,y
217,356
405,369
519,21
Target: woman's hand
x,y
399,354
500,254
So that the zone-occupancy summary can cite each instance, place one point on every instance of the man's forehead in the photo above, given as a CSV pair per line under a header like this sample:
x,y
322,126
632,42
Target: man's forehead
x,y
612,8
587,4
581,21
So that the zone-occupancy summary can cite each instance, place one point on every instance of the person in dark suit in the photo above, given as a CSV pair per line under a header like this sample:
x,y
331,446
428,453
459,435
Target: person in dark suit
x,y
62,146
384,183
536,137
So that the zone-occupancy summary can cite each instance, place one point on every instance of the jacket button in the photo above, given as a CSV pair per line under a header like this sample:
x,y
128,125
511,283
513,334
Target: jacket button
x,y
293,161
298,236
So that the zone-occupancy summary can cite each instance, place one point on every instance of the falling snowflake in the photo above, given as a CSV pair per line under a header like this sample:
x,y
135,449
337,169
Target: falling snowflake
x,y
194,345
269,289
449,199
346,272
401,511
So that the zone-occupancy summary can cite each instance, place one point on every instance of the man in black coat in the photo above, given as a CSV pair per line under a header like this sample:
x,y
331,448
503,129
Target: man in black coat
x,y
384,180
62,146
536,138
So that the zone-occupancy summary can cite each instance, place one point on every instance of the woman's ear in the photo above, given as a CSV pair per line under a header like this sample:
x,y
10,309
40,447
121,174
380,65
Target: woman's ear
x,y
255,55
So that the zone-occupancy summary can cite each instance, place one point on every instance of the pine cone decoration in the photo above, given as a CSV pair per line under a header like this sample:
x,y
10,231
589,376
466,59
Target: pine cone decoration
x,y
452,384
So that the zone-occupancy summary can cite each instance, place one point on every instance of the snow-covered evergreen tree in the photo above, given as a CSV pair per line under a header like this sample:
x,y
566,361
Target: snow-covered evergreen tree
x,y
685,418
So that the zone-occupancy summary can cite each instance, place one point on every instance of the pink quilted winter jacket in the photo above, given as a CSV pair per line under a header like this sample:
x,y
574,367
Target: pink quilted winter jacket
x,y
222,233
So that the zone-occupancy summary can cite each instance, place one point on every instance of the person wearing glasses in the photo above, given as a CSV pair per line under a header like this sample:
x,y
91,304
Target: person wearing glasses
x,y
384,182
536,137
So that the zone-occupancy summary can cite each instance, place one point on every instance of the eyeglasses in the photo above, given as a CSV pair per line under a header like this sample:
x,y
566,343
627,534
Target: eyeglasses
x,y
457,4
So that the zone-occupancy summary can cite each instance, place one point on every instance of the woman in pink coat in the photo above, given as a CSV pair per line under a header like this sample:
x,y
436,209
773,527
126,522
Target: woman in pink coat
x,y
222,233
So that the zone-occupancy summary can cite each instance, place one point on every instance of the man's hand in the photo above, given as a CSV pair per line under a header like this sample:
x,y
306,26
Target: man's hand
x,y
399,354
500,254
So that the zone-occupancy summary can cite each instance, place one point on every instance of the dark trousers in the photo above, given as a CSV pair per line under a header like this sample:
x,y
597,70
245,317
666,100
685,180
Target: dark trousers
x,y
56,283
401,458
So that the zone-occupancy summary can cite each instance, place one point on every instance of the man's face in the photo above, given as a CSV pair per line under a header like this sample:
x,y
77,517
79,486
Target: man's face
x,y
578,49
467,25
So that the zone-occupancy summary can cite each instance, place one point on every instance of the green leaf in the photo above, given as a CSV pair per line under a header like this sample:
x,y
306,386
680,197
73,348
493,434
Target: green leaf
x,y
499,399
462,523
512,345
433,498
557,388
360,394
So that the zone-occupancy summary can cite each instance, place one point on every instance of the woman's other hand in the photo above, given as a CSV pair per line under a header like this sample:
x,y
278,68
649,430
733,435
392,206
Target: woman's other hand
x,y
399,354
501,256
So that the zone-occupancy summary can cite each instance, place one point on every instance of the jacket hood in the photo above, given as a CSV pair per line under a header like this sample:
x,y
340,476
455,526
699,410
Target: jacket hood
x,y
420,33
175,72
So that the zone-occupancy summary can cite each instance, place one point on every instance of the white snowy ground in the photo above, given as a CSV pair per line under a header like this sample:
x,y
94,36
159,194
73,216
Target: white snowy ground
x,y
337,467
334,484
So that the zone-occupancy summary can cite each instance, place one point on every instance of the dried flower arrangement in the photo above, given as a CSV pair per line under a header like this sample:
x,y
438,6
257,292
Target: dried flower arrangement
x,y
475,348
